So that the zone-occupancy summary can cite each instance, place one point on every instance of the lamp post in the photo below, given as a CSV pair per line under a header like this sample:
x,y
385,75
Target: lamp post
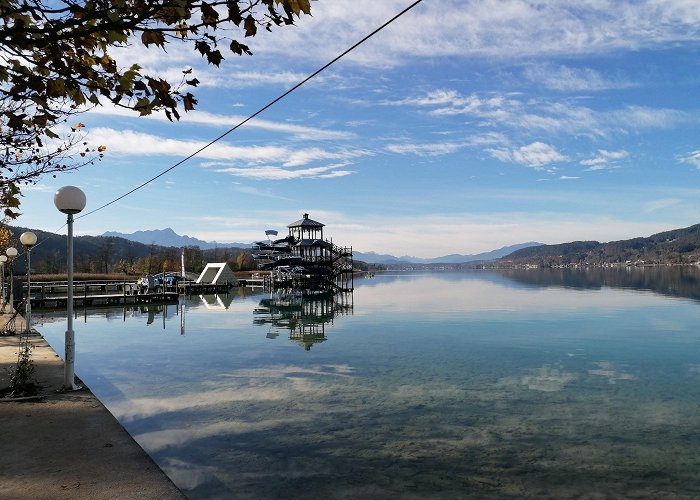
x,y
69,200
11,254
3,259
28,240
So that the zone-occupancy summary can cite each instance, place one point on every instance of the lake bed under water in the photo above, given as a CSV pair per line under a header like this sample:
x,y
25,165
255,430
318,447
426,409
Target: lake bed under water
x,y
428,385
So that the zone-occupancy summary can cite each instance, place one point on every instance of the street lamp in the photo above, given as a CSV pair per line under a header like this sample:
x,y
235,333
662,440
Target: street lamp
x,y
11,254
3,259
28,240
69,200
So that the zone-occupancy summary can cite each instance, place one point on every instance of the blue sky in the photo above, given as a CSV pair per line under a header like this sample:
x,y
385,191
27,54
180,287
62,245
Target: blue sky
x,y
463,127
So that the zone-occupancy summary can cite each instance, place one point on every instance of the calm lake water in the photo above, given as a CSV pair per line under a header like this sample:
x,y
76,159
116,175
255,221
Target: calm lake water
x,y
446,385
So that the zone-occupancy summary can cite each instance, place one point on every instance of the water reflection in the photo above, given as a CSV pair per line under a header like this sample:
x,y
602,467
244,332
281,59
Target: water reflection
x,y
302,314
148,313
464,385
674,281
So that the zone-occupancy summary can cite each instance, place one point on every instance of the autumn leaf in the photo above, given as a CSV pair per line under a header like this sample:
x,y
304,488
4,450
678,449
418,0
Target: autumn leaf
x,y
239,48
181,30
215,57
250,28
154,37
297,6
209,14
202,47
188,102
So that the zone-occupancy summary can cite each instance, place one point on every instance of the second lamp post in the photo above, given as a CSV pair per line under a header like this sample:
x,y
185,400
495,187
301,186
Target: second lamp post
x,y
28,240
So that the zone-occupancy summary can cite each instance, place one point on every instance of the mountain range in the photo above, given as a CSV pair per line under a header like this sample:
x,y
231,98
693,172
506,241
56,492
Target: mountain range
x,y
677,246
169,238
375,258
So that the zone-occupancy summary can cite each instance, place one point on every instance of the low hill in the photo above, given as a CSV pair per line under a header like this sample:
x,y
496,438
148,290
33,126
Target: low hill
x,y
678,246
103,253
390,260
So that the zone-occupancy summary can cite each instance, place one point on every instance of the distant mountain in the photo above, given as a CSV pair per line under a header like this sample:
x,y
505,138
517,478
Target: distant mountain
x,y
50,254
169,238
375,258
678,246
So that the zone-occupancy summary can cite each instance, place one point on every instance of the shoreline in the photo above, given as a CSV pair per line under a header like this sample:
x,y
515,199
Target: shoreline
x,y
67,444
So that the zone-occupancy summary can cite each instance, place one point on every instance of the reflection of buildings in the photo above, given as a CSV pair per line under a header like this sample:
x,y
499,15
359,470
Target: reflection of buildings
x,y
304,314
216,301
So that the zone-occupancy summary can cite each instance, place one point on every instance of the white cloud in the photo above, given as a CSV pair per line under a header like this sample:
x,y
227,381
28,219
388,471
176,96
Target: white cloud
x,y
279,173
535,155
640,117
129,143
569,79
661,204
434,149
692,158
491,28
550,116
450,102
229,121
604,159
243,79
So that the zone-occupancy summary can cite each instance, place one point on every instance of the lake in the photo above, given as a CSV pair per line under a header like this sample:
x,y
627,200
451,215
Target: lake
x,y
532,383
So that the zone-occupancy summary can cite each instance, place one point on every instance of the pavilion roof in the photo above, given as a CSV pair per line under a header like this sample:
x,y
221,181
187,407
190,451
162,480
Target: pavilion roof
x,y
305,222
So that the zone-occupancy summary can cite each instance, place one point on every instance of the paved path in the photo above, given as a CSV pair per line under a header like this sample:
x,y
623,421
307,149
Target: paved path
x,y
67,445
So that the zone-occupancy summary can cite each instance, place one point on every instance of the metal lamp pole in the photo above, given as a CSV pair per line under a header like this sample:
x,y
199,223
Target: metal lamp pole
x,y
28,240
69,200
3,259
11,254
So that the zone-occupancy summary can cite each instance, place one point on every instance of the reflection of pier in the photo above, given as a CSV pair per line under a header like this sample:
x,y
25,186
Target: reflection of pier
x,y
154,313
304,314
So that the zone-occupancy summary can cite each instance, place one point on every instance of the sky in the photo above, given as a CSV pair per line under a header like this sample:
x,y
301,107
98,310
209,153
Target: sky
x,y
462,127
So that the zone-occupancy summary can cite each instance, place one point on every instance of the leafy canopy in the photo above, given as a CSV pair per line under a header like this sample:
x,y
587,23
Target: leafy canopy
x,y
56,60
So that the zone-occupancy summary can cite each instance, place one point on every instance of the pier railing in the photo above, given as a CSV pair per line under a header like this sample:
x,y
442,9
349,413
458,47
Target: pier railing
x,y
89,292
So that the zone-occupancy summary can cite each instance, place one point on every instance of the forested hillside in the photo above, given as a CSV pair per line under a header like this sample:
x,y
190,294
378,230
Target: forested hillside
x,y
679,246
99,254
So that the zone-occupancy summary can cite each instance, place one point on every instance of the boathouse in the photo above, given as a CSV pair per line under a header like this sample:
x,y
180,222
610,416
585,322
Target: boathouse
x,y
303,256
216,273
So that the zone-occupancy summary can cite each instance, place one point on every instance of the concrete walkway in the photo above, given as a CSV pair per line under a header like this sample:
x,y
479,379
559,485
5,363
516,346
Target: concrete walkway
x,y
67,445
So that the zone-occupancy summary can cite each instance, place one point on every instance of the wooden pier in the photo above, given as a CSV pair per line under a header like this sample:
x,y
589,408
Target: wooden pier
x,y
47,295
105,300
54,294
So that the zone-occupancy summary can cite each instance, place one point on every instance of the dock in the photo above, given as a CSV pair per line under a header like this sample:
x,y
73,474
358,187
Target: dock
x,y
54,294
106,300
48,295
